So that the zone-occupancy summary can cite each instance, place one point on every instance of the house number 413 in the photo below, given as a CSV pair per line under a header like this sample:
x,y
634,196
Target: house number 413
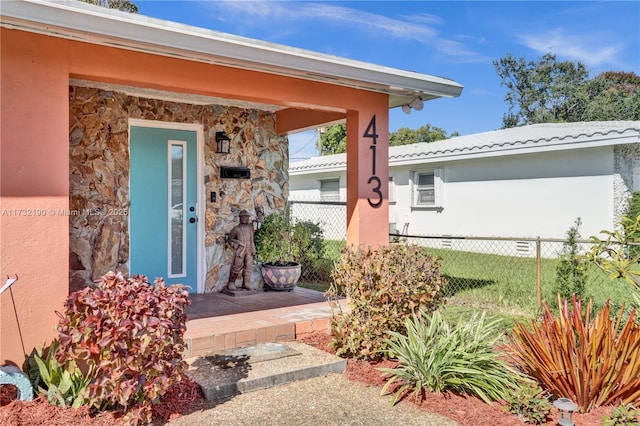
x,y
375,201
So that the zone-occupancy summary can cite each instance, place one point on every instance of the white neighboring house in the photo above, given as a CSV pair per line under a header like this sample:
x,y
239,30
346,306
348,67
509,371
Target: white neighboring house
x,y
531,181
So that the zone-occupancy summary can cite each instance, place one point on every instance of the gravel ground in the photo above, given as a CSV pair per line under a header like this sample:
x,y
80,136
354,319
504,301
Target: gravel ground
x,y
329,400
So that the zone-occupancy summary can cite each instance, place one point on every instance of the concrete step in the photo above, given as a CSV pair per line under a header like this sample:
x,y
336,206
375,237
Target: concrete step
x,y
231,372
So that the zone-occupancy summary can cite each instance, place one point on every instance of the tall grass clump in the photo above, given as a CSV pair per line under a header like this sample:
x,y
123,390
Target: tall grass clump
x,y
383,286
438,357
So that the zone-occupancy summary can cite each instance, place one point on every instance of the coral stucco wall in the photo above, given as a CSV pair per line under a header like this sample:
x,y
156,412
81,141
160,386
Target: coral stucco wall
x,y
34,193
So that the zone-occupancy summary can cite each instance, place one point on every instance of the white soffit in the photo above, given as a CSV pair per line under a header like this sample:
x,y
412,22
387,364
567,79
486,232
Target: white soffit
x,y
80,21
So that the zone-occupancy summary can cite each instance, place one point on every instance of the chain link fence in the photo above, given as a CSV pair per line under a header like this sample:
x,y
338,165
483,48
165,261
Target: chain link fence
x,y
515,274
510,274
331,217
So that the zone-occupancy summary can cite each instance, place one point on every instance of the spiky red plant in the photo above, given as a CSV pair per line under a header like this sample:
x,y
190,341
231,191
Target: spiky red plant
x,y
595,362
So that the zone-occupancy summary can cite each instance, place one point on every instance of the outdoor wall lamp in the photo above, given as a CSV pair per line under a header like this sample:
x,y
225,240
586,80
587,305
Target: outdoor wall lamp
x,y
257,222
223,143
416,104
565,407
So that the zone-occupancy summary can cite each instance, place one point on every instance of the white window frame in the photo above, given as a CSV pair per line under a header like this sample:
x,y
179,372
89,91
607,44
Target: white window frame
x,y
183,178
437,188
392,190
333,195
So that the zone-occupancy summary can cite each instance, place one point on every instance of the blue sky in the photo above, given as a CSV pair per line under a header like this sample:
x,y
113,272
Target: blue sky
x,y
453,39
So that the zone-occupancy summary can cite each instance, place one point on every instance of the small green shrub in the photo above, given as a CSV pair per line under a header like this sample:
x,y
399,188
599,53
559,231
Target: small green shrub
x,y
62,384
437,357
571,273
278,241
530,403
622,416
308,248
129,334
612,253
383,286
273,240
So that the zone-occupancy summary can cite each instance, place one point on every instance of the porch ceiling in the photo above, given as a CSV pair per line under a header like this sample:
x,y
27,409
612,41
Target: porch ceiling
x,y
83,22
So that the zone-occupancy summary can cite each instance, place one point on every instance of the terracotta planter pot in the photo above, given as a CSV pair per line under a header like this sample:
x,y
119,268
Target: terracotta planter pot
x,y
281,277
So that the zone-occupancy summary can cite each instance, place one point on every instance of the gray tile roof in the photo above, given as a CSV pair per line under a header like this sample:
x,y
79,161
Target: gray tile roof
x,y
517,140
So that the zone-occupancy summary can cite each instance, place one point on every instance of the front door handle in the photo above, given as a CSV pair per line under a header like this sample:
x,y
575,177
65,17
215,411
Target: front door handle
x,y
193,220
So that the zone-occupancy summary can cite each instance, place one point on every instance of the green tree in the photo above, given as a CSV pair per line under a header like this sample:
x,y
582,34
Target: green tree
x,y
547,91
334,138
426,133
612,95
123,5
541,92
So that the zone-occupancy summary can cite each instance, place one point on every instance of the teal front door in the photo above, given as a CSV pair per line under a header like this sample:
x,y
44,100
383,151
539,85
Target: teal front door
x,y
163,221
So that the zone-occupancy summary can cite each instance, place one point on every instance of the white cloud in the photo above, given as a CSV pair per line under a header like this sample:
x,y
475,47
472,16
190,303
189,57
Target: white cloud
x,y
591,49
416,28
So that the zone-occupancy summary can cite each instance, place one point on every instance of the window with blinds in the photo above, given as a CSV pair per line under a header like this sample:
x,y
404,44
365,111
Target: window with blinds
x,y
427,188
330,190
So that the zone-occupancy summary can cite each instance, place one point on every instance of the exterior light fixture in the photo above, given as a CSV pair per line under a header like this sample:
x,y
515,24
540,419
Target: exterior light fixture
x,y
222,143
565,407
416,104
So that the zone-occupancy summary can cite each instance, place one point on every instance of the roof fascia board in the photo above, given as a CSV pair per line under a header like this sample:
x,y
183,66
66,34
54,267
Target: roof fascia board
x,y
113,28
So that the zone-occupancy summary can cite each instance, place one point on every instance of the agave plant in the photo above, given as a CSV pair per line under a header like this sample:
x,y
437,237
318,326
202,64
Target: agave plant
x,y
437,357
595,361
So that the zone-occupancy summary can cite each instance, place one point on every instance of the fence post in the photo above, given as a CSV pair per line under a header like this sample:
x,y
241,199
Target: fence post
x,y
538,273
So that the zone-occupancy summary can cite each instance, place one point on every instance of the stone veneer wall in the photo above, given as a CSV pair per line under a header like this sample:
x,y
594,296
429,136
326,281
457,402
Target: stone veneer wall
x,y
99,176
626,159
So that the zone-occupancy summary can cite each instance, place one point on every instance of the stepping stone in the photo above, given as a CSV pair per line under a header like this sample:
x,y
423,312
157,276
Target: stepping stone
x,y
227,373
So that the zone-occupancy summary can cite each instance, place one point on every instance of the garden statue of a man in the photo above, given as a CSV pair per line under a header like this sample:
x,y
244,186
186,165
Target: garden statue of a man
x,y
241,239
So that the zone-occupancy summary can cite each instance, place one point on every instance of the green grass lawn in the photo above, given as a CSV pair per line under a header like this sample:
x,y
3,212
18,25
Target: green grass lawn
x,y
508,284
322,287
504,286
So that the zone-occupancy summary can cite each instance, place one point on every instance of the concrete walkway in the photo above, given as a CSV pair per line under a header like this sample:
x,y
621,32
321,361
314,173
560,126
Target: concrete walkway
x,y
321,401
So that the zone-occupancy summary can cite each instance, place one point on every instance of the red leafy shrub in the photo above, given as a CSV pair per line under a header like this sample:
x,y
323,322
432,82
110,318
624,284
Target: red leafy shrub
x,y
130,335
383,287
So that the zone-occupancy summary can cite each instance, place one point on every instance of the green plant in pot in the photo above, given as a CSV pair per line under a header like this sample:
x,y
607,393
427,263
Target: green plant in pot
x,y
275,251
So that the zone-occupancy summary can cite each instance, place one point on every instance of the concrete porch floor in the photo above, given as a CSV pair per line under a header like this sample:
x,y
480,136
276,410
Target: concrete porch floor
x,y
217,321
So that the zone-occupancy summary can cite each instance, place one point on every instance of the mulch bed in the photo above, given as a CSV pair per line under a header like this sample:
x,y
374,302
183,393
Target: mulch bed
x,y
182,398
186,397
466,410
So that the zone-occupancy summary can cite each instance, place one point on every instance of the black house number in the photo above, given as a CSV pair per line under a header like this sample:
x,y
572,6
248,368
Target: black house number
x,y
375,180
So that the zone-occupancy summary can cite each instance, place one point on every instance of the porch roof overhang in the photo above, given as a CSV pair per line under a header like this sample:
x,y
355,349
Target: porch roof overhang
x,y
79,21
